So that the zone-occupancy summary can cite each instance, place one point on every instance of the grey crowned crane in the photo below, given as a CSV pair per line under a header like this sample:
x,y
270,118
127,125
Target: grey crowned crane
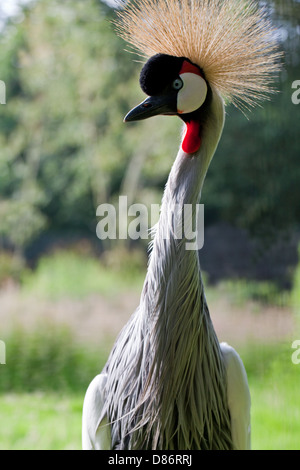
x,y
168,383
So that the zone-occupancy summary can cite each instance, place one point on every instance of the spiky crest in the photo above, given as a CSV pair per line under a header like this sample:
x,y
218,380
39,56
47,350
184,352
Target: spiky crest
x,y
232,41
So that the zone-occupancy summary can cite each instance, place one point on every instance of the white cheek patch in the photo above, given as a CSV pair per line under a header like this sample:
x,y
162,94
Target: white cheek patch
x,y
193,93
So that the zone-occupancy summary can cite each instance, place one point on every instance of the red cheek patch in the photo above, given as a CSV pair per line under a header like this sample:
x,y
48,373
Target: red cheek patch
x,y
192,139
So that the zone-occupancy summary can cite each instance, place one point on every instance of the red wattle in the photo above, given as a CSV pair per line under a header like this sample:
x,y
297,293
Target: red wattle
x,y
191,140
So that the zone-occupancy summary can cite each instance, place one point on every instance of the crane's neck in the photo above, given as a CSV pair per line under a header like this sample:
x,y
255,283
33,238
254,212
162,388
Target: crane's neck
x,y
181,356
172,258
165,375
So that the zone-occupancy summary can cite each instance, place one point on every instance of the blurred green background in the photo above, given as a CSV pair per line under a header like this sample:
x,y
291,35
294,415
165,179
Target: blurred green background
x,y
64,150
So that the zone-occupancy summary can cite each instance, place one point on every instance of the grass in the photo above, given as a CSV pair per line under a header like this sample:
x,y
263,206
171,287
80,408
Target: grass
x,y
51,421
42,386
240,291
46,414
48,359
67,273
275,413
274,385
40,421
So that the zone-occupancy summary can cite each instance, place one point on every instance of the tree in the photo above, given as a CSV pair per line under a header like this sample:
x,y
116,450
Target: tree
x,y
65,149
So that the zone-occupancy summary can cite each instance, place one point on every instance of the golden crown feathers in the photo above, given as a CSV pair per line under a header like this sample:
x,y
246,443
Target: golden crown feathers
x,y
232,41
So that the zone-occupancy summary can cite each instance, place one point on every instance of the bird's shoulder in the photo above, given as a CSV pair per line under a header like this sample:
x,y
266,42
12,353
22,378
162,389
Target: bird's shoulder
x,y
238,397
95,434
237,381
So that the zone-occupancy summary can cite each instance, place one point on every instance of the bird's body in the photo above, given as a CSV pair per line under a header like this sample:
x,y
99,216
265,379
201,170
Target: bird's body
x,y
168,383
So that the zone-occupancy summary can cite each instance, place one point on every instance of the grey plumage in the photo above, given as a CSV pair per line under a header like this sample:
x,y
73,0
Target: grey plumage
x,y
166,385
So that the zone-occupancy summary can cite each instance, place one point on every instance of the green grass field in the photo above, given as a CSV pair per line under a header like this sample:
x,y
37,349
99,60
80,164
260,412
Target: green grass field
x,y
52,420
48,369
40,421
275,408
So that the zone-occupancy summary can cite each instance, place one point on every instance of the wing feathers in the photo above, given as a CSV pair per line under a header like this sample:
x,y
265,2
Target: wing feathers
x,y
238,396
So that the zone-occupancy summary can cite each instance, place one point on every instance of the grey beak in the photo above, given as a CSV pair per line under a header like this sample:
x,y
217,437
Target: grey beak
x,y
152,106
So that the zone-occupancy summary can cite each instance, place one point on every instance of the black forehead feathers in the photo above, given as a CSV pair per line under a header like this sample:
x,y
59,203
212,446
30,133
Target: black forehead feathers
x,y
159,72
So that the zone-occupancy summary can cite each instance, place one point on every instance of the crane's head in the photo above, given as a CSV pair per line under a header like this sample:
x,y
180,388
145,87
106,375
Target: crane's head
x,y
197,48
175,86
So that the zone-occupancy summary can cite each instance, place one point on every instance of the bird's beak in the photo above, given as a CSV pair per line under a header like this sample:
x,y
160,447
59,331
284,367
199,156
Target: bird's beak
x,y
152,106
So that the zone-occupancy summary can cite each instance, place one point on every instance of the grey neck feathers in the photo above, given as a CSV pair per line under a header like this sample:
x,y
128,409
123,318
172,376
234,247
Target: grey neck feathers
x,y
166,387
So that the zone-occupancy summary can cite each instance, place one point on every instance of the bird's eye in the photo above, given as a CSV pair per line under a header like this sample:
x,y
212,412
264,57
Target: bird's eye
x,y
177,84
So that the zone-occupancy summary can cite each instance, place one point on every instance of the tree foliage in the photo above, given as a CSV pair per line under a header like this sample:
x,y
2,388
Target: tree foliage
x,y
65,149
